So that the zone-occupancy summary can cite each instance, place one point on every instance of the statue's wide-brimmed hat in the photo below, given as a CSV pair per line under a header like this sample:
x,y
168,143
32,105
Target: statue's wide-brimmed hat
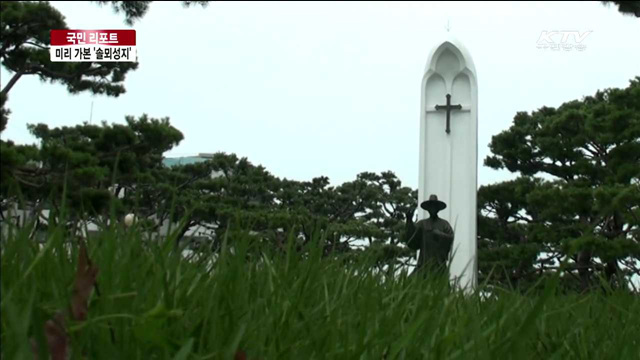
x,y
433,204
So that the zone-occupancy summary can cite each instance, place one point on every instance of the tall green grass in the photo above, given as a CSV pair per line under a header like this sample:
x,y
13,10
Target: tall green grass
x,y
160,304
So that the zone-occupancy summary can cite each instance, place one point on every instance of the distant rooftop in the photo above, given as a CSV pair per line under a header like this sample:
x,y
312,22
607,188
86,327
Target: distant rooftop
x,y
170,162
185,160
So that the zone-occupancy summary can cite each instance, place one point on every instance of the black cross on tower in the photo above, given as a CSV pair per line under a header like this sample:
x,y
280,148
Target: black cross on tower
x,y
448,107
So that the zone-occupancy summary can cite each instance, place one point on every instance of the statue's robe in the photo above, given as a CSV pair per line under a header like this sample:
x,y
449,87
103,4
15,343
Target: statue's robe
x,y
434,249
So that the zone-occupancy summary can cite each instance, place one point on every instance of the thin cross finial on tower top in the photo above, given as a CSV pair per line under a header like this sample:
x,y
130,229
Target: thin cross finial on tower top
x,y
448,27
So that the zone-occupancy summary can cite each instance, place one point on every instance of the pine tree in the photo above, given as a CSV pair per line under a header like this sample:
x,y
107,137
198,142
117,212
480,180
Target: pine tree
x,y
585,209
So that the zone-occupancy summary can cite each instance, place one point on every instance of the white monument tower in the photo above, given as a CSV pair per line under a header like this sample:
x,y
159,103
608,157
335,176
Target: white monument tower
x,y
449,149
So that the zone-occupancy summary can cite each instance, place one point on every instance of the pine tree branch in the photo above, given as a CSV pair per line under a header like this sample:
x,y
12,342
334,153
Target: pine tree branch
x,y
37,45
35,69
14,79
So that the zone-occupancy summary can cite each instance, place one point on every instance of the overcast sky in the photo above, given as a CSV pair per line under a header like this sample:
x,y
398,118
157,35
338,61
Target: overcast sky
x,y
310,89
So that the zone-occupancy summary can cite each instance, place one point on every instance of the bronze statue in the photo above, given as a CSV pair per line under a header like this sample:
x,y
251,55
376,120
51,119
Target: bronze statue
x,y
432,236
